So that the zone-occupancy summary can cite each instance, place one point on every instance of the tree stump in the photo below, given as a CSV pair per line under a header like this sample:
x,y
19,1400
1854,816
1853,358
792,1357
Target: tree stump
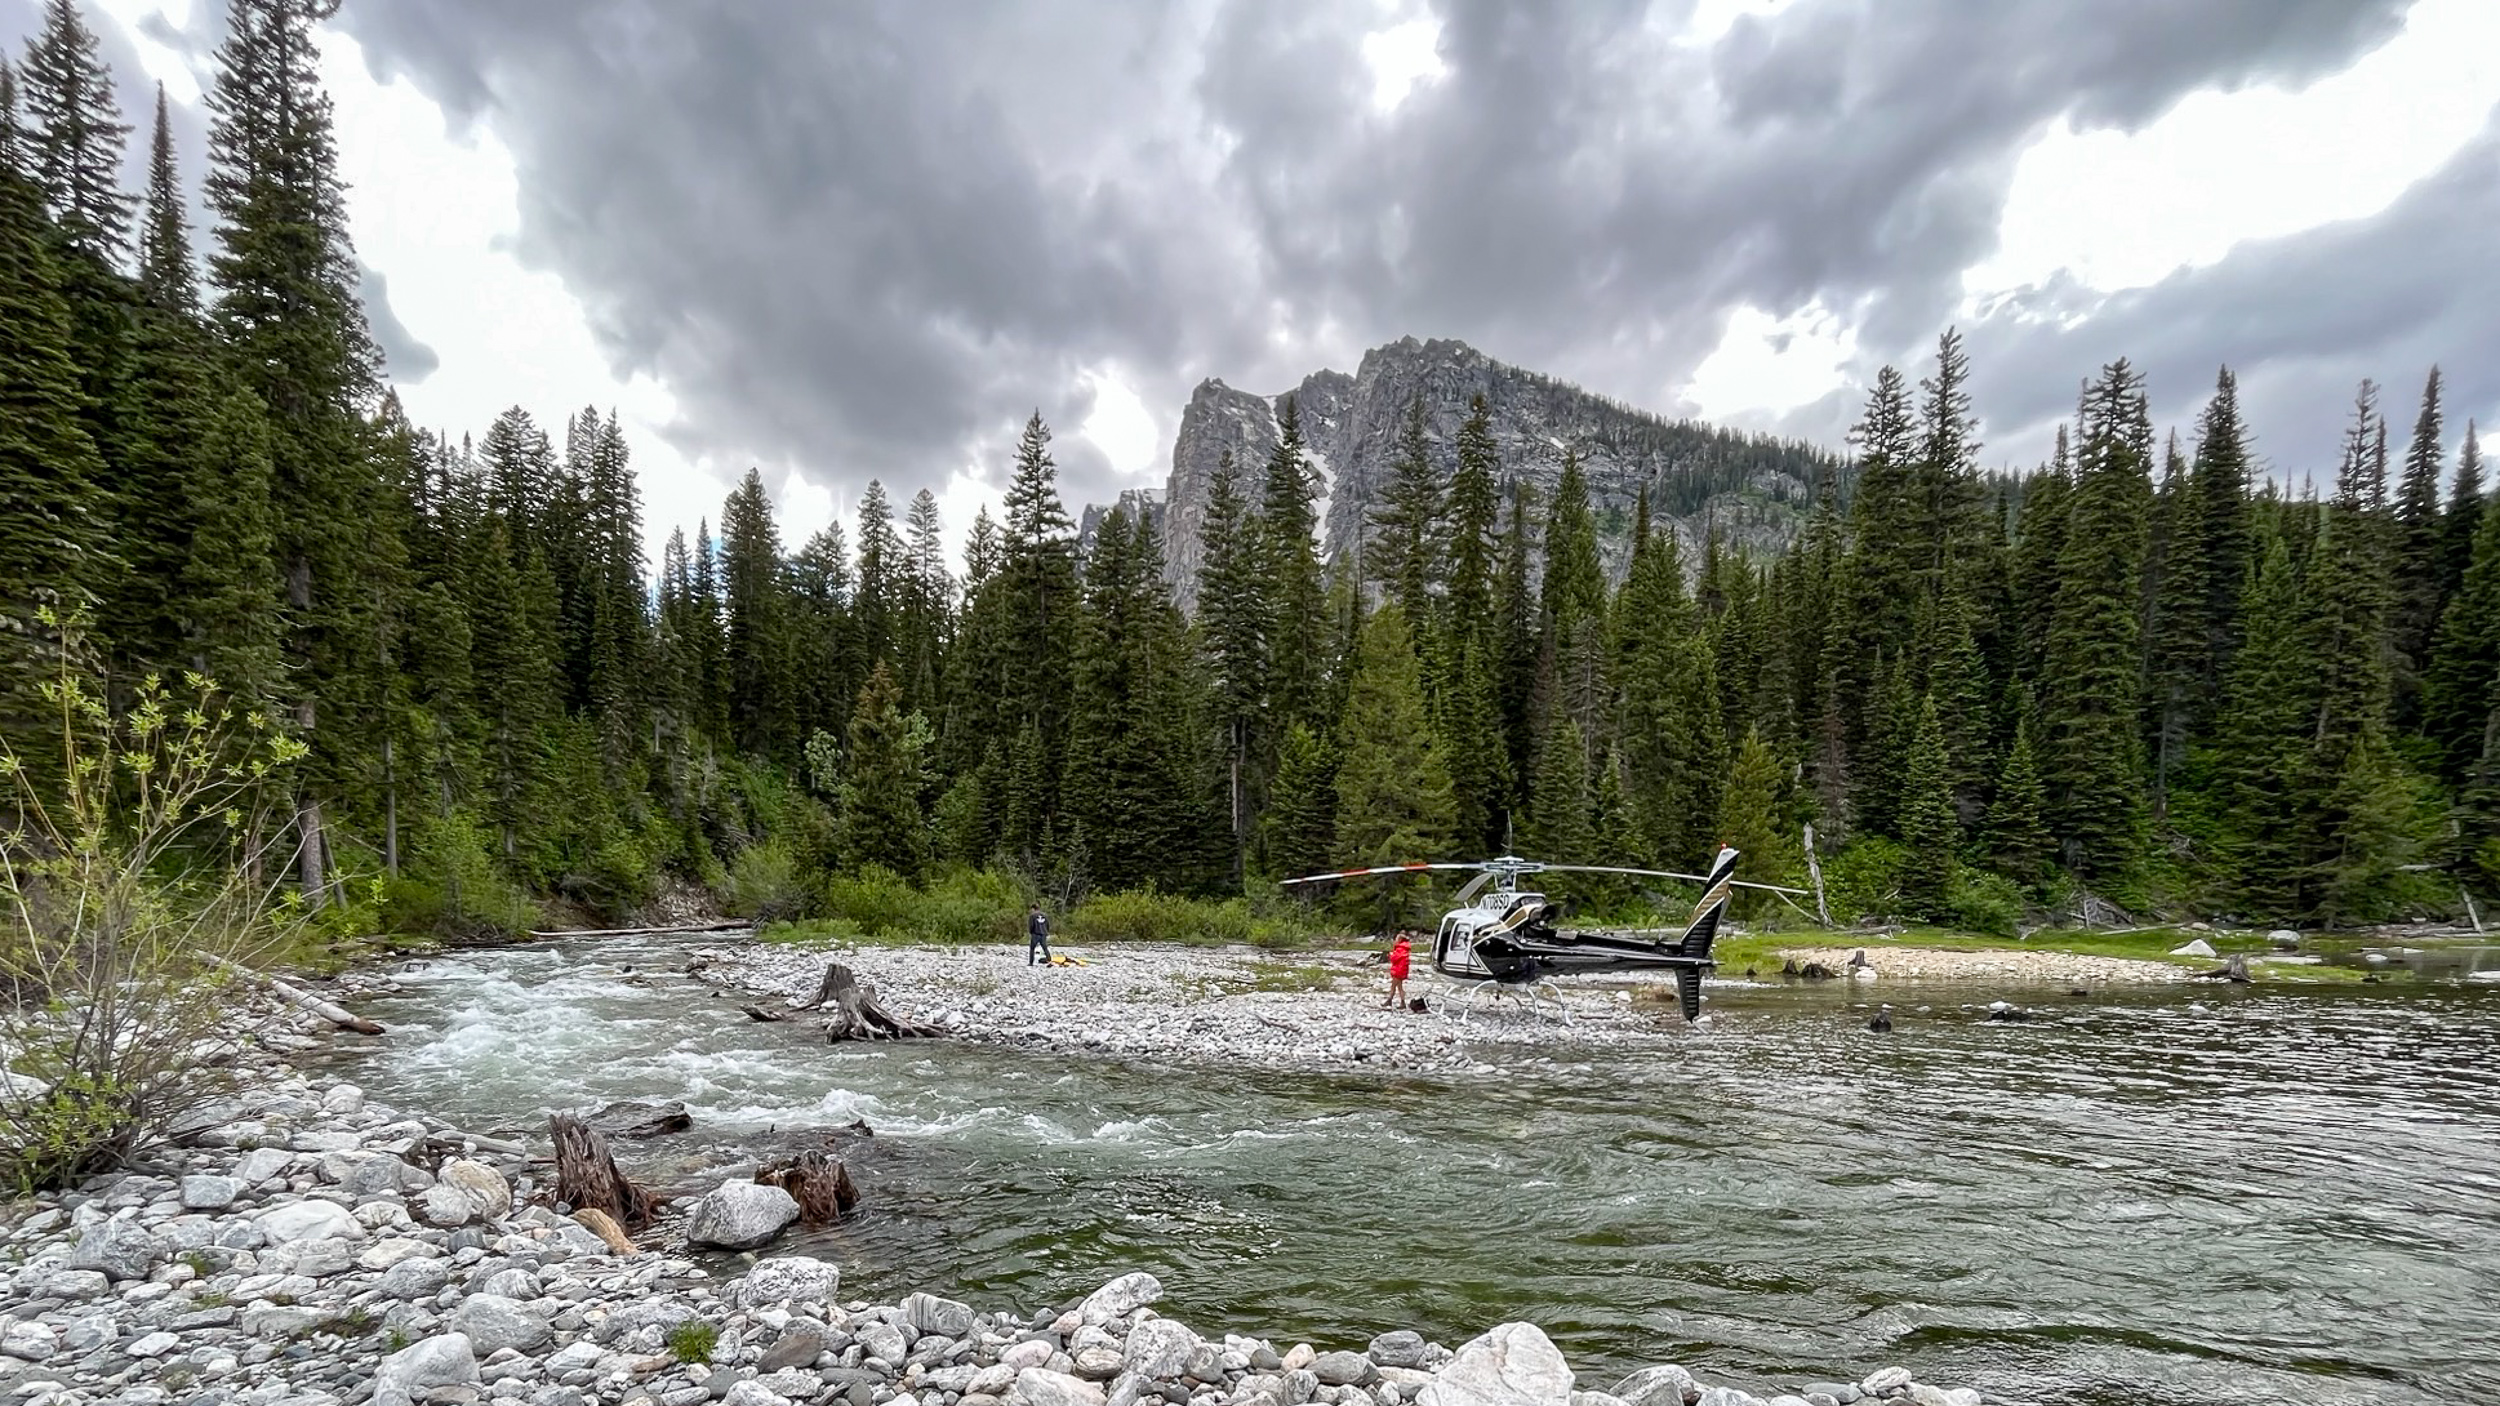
x,y
817,1181
588,1179
853,1012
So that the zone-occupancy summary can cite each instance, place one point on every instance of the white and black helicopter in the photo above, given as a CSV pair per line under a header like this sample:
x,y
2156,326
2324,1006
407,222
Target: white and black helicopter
x,y
1501,938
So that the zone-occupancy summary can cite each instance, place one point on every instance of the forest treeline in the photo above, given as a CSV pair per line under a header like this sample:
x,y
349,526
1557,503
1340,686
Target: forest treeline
x,y
2146,672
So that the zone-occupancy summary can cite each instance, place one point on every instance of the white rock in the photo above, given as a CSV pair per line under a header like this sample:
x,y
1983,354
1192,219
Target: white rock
x,y
29,1342
210,1193
448,1206
343,1099
1727,1396
444,1360
2198,948
493,1193
309,1220
385,1253
1513,1365
414,1279
155,1344
740,1215
801,1280
1921,1394
930,1314
1657,1386
1015,1357
882,1342
1160,1349
1884,1380
1038,1386
262,1163
493,1323
753,1394
118,1249
1120,1298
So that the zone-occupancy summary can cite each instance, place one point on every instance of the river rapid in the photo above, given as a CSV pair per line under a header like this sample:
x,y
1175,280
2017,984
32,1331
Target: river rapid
x,y
2171,1195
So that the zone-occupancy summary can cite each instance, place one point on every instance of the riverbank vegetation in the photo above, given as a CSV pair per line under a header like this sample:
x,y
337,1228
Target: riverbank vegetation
x,y
2146,675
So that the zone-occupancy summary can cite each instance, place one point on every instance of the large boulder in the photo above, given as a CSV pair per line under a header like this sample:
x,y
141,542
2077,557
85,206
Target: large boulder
x,y
414,1371
740,1215
493,1323
309,1220
1343,1369
947,1318
798,1280
1513,1365
1658,1386
493,1193
363,1174
1402,1348
207,1193
118,1249
2197,948
1160,1349
1120,1298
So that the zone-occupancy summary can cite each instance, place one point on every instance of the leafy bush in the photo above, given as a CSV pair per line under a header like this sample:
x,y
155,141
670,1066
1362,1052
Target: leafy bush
x,y
453,889
132,878
1864,879
764,884
1983,901
1147,916
871,896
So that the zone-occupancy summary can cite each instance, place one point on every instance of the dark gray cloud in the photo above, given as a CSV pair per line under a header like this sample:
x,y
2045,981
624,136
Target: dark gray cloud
x,y
404,358
867,239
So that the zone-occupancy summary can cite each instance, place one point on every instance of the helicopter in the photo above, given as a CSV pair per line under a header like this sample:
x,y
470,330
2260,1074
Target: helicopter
x,y
1501,938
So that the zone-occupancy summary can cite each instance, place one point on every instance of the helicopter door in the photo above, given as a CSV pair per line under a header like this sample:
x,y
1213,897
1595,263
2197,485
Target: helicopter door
x,y
1455,951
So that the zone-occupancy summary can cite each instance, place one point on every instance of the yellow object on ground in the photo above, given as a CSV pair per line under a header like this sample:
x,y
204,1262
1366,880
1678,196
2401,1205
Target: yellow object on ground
x,y
1061,959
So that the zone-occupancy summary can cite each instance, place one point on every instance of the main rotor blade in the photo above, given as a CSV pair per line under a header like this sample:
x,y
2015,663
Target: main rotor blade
x,y
1376,869
1671,874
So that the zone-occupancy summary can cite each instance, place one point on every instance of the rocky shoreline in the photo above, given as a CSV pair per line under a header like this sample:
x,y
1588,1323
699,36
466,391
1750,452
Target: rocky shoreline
x,y
307,1246
1236,1006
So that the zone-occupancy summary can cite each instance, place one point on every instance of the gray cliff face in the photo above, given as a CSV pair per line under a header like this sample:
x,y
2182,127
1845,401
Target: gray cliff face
x,y
1141,503
1753,491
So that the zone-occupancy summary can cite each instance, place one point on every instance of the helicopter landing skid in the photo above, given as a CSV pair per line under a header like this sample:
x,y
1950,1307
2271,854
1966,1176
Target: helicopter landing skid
x,y
1535,993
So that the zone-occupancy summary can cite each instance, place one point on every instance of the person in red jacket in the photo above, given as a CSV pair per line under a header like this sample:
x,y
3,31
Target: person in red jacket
x,y
1400,954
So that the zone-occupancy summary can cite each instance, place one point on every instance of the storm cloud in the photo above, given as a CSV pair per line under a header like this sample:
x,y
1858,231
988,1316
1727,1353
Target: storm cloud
x,y
866,240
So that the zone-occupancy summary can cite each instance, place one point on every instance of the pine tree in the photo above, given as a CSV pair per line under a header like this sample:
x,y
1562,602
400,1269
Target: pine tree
x,y
2091,685
1405,550
2266,704
1299,827
52,505
2417,595
929,604
2179,639
229,585
983,551
1749,818
1392,791
1131,772
878,607
1893,557
1514,636
2038,557
287,306
166,280
1474,504
1561,811
74,136
881,819
1291,562
2456,690
762,714
2019,842
2464,518
1232,623
1930,831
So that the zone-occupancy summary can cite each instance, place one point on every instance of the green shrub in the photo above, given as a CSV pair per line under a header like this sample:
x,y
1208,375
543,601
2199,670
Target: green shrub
x,y
692,1341
1983,901
1147,916
872,896
452,889
764,884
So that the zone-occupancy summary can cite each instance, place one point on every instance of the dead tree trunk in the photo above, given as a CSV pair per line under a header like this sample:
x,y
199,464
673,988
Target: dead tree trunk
x,y
336,1014
587,1178
852,1012
817,1181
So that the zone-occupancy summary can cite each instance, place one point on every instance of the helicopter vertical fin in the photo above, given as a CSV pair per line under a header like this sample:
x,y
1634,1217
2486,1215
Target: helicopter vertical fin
x,y
1688,991
1712,908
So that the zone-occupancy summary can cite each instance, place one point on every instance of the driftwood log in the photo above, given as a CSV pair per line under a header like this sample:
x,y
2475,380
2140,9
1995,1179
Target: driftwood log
x,y
759,1013
817,1181
640,1118
2235,969
337,1015
852,1013
587,1178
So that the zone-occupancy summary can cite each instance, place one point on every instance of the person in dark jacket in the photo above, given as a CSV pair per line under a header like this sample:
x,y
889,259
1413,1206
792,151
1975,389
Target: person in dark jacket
x,y
1037,930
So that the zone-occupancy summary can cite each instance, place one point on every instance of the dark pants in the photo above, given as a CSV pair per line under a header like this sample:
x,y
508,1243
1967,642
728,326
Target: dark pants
x,y
1038,949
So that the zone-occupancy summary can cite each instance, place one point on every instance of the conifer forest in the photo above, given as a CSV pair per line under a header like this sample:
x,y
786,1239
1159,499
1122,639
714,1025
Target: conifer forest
x,y
2147,673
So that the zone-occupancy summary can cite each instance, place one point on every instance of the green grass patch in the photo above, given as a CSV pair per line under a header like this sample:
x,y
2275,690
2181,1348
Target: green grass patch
x,y
1761,951
692,1341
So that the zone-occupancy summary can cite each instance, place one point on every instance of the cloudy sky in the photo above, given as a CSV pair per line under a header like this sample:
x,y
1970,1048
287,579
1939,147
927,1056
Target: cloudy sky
x,y
864,240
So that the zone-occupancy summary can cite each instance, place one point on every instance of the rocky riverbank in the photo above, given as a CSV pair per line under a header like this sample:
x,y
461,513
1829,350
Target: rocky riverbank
x,y
2002,966
311,1247
1238,1007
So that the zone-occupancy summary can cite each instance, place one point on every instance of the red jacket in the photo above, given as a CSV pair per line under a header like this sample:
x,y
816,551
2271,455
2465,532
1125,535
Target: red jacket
x,y
1398,956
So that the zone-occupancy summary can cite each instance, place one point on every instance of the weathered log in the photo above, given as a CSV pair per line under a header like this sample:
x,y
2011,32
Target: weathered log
x,y
603,1225
853,1012
587,1178
759,1013
2235,969
817,1181
641,1118
337,1015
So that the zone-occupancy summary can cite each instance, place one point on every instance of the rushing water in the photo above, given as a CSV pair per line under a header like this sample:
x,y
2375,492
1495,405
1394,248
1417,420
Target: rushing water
x,y
2227,1196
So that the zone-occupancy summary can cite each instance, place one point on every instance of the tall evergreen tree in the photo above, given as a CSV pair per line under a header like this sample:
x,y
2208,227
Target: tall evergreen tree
x,y
1749,818
2456,690
1930,830
1298,830
2418,555
1561,819
881,819
1233,629
2019,842
2091,684
75,135
2466,509
762,715
1295,655
166,280
229,583
1392,791
1405,555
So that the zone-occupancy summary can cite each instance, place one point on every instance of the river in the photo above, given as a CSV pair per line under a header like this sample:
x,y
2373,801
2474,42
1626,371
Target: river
x,y
2168,1196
